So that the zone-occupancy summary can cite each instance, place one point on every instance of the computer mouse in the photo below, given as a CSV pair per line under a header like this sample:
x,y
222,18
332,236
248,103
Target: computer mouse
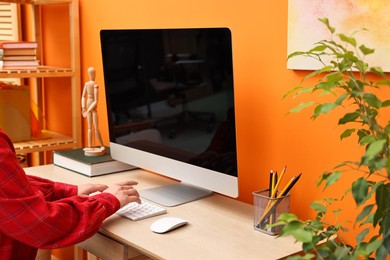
x,y
166,224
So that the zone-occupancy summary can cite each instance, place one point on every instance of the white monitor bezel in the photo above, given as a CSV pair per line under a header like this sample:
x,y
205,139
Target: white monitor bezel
x,y
187,173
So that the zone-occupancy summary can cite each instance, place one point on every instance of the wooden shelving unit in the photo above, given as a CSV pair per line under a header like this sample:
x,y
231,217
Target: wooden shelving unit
x,y
54,141
51,140
38,2
40,72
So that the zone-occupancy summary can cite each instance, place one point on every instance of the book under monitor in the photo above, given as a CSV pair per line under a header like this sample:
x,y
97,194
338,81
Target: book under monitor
x,y
75,160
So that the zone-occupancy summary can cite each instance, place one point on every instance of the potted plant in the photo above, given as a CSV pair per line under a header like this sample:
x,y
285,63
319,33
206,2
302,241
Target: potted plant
x,y
351,81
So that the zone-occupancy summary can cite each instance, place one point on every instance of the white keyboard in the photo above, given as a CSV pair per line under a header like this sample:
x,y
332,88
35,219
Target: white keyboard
x,y
135,211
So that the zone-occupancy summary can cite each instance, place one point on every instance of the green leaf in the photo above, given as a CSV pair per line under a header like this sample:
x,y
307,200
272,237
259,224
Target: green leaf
x,y
378,71
377,164
301,106
383,203
276,224
386,231
367,140
384,82
365,50
292,91
373,150
372,246
302,235
337,211
363,133
346,133
387,128
347,39
318,207
291,227
350,58
341,98
318,48
360,190
364,213
323,109
341,252
319,71
288,217
361,66
362,235
349,117
372,100
334,79
383,252
316,225
303,90
332,178
356,87
326,22
386,103
297,53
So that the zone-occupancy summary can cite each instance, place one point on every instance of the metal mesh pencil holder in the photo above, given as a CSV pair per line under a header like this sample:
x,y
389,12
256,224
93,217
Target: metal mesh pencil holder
x,y
267,211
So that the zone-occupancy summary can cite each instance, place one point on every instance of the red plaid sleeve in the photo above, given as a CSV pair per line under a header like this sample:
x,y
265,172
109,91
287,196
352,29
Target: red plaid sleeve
x,y
37,213
52,190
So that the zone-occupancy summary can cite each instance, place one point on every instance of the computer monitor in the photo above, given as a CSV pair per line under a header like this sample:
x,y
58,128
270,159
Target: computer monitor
x,y
170,107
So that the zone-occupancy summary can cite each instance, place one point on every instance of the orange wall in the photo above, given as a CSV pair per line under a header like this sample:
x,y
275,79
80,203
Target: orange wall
x,y
267,138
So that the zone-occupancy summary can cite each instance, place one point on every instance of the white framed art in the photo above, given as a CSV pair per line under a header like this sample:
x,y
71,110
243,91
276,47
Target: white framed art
x,y
347,16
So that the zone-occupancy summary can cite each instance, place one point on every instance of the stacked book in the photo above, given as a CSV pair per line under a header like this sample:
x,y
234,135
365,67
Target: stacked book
x,y
18,55
75,160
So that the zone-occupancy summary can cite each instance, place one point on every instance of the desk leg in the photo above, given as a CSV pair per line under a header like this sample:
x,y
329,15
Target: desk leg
x,y
91,257
79,253
43,255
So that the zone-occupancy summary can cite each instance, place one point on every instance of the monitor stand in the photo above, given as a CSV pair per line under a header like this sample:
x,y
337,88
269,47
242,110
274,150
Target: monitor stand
x,y
174,194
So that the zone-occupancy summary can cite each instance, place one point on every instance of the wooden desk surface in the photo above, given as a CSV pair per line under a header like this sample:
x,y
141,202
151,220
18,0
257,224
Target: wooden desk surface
x,y
219,227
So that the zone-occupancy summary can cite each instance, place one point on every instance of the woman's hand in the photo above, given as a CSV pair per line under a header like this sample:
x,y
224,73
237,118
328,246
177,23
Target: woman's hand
x,y
124,192
88,188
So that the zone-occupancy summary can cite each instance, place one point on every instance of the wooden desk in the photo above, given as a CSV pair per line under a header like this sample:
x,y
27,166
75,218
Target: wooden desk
x,y
219,227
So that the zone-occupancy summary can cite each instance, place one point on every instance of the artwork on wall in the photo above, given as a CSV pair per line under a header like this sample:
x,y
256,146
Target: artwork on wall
x,y
347,16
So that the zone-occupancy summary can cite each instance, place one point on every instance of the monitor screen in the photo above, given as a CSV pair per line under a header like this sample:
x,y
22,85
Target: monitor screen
x,y
170,107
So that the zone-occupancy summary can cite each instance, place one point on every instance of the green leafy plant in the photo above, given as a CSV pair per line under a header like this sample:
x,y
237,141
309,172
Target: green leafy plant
x,y
352,83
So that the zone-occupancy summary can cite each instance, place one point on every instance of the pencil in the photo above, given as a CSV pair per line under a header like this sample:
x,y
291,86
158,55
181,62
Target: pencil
x,y
271,184
273,178
274,192
276,181
288,188
280,179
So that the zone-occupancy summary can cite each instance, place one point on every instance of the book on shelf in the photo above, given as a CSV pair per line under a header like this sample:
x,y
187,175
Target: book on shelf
x,y
18,64
75,160
19,57
18,45
16,52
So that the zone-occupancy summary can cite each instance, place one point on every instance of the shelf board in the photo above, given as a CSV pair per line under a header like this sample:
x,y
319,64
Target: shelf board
x,y
39,72
53,142
37,2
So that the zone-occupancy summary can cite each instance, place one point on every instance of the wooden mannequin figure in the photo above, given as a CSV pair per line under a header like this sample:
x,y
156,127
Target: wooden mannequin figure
x,y
89,101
